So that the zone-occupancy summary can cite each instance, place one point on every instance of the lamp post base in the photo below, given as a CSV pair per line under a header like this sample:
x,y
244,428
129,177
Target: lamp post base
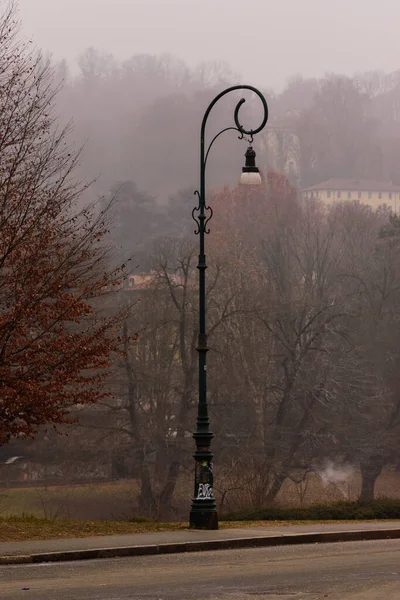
x,y
203,512
203,519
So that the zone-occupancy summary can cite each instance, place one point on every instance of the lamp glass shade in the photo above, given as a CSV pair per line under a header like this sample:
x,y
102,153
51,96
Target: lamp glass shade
x,y
251,178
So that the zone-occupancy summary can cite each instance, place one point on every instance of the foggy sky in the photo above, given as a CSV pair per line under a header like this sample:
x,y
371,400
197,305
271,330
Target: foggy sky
x,y
265,41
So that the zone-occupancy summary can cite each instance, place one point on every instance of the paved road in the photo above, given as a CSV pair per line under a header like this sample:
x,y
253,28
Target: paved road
x,y
349,571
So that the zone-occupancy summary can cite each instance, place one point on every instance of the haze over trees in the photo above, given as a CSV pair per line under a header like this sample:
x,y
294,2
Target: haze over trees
x,y
130,115
303,300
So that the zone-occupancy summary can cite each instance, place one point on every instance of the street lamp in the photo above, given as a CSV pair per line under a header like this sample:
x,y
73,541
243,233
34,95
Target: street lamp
x,y
203,513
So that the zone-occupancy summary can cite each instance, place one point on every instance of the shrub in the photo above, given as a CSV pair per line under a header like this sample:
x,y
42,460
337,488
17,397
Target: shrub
x,y
383,508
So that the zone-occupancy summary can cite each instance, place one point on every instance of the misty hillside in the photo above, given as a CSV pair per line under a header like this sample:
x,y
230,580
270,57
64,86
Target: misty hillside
x,y
139,121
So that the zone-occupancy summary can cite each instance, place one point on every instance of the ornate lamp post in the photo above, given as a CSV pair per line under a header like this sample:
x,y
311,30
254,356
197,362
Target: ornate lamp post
x,y
203,514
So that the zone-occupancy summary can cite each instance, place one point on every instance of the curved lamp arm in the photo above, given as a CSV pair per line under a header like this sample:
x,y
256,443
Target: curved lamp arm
x,y
202,220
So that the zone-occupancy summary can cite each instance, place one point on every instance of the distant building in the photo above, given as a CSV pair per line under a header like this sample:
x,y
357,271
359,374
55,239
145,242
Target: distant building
x,y
145,281
365,191
141,281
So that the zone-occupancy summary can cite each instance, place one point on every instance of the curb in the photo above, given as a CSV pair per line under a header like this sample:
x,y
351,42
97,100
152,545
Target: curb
x,y
175,548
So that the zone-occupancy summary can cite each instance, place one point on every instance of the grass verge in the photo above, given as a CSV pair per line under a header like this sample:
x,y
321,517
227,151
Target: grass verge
x,y
29,528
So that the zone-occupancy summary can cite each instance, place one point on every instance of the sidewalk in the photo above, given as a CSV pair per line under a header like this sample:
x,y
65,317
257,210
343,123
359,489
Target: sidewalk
x,y
168,542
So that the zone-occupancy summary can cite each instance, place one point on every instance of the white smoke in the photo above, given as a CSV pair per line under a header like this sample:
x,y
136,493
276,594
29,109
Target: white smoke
x,y
338,475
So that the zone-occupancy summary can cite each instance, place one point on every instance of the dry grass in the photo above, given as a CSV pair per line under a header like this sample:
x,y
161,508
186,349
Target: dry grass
x,y
20,529
117,501
109,501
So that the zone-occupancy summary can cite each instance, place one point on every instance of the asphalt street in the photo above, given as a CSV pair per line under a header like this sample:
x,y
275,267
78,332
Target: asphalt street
x,y
341,571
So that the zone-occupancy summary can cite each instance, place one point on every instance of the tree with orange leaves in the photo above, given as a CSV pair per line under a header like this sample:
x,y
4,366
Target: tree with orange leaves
x,y
55,346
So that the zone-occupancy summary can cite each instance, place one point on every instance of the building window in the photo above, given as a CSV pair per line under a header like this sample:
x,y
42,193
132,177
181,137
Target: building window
x,y
359,195
390,195
339,194
369,195
348,195
329,193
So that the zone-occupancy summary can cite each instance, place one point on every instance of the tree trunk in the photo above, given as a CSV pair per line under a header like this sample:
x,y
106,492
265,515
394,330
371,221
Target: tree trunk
x,y
165,508
147,503
167,493
275,488
370,471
